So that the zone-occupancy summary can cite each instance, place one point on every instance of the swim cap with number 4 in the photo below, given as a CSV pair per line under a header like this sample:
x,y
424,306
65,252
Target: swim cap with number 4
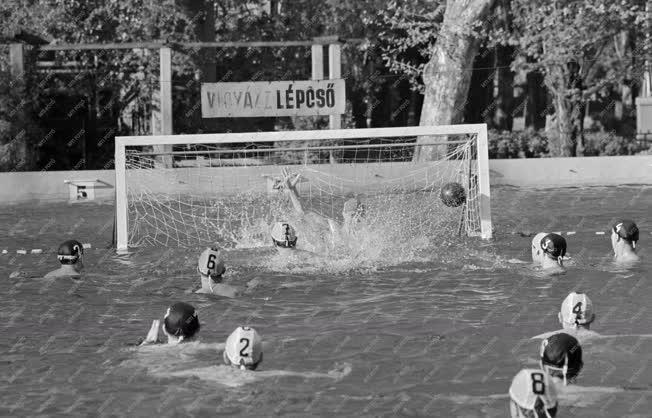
x,y
577,309
244,348
211,263
532,390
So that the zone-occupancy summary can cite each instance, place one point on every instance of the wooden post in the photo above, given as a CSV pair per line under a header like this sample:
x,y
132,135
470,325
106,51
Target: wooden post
x,y
162,119
17,59
334,72
166,91
317,62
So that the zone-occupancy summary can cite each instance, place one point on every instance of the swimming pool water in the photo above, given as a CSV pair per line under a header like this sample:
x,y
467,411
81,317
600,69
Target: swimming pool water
x,y
434,336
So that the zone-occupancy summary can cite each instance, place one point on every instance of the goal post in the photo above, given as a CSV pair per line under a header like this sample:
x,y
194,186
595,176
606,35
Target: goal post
x,y
223,188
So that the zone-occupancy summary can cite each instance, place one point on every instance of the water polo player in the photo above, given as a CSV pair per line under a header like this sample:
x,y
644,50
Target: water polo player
x,y
180,324
575,316
210,267
532,395
244,349
548,250
71,256
561,358
353,211
624,236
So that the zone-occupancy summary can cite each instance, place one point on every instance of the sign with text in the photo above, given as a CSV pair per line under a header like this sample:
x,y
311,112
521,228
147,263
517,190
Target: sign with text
x,y
272,98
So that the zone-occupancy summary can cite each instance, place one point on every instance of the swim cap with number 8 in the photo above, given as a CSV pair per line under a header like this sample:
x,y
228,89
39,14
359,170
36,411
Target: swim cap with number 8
x,y
211,263
532,390
244,348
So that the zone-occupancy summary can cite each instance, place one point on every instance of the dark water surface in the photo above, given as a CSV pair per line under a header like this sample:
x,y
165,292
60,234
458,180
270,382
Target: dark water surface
x,y
433,336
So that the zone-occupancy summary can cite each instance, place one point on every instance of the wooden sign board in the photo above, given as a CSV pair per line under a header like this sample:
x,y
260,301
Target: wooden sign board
x,y
273,98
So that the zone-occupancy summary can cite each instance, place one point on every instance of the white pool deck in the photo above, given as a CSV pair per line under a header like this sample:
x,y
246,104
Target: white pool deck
x,y
51,186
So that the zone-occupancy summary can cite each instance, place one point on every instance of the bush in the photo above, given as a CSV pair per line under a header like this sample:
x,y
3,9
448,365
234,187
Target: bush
x,y
535,144
518,144
608,143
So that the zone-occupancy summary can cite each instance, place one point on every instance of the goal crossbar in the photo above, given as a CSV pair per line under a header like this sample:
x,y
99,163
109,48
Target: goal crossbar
x,y
479,130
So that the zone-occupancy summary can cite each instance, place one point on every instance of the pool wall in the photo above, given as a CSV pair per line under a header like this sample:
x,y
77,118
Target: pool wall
x,y
50,186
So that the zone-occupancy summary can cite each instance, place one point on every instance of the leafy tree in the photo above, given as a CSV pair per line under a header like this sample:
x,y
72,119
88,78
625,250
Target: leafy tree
x,y
571,43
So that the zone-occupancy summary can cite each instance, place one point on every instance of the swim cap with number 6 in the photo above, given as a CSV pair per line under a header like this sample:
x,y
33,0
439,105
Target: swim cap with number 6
x,y
211,263
244,348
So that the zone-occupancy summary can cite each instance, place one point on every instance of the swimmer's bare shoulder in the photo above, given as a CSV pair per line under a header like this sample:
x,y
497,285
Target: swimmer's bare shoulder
x,y
61,273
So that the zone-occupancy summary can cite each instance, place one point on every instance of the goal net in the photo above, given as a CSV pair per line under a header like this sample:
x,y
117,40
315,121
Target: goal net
x,y
227,189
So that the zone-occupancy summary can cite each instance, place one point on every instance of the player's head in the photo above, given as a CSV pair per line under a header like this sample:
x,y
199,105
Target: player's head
x,y
537,252
554,247
71,252
211,263
576,311
561,356
625,230
244,349
283,235
353,209
181,321
532,395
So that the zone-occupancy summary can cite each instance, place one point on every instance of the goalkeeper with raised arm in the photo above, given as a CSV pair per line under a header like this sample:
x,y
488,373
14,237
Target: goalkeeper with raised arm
x,y
319,226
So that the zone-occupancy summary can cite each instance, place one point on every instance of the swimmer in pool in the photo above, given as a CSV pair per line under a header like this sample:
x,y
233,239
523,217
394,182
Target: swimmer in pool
x,y
575,317
180,324
243,349
210,267
561,358
71,257
548,250
624,236
532,395
353,210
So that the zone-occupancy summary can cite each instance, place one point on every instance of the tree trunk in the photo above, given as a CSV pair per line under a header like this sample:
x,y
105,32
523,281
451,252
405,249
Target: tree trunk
x,y
570,123
447,75
504,89
536,101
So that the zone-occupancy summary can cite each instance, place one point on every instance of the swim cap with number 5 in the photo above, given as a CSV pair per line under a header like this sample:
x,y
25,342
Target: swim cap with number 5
x,y
244,348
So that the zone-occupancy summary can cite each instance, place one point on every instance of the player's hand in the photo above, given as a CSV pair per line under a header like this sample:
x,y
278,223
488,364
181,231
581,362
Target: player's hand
x,y
290,179
152,335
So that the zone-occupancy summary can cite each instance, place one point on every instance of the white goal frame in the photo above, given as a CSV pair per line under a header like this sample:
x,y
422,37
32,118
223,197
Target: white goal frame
x,y
121,142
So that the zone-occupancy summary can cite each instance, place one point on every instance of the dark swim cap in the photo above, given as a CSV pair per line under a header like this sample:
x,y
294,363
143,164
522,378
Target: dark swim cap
x,y
181,320
70,251
554,245
564,353
626,230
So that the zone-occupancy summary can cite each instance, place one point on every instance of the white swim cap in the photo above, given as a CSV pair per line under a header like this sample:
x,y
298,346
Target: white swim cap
x,y
533,392
283,235
211,263
577,309
244,348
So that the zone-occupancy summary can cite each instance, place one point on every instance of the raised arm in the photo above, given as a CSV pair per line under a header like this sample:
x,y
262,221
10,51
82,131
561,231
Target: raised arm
x,y
290,181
